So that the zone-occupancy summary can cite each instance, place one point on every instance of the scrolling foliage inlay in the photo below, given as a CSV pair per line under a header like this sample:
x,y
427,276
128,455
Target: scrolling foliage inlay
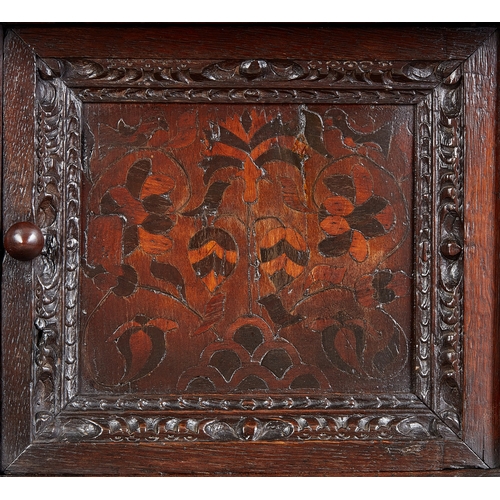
x,y
234,249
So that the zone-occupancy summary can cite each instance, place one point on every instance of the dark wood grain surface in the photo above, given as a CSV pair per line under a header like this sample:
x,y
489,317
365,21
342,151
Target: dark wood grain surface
x,y
482,423
1,111
17,314
301,459
261,41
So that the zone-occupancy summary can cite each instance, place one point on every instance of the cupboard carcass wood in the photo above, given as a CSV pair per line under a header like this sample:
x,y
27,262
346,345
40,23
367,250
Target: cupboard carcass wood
x,y
281,261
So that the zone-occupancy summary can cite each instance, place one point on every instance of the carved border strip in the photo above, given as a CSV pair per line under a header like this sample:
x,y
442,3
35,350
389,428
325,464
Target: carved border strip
x,y
230,402
72,183
156,73
48,209
251,95
256,80
57,209
449,136
154,428
423,202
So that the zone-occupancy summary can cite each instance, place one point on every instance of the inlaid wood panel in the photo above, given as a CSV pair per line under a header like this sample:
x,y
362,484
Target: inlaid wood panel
x,y
235,249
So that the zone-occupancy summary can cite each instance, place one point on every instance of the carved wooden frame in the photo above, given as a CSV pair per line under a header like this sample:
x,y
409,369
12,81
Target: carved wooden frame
x,y
433,422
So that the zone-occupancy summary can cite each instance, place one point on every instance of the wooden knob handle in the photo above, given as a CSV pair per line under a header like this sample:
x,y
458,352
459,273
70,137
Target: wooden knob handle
x,y
24,241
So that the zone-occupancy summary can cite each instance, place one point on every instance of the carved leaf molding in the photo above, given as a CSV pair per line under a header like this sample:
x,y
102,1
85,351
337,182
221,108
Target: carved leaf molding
x,y
449,138
354,402
57,209
154,428
256,80
423,251
252,95
255,72
56,204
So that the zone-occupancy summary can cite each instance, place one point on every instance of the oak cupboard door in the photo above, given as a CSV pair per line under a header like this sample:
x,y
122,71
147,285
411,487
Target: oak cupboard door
x,y
263,250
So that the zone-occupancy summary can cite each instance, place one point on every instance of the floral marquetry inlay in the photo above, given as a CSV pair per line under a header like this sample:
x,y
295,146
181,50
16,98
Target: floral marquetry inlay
x,y
247,249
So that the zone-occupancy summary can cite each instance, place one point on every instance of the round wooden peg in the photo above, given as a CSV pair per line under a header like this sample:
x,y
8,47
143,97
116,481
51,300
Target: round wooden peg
x,y
24,241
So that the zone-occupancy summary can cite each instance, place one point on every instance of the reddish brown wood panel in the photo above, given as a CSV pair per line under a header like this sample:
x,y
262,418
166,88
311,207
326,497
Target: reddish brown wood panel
x,y
301,459
17,294
353,42
248,248
482,346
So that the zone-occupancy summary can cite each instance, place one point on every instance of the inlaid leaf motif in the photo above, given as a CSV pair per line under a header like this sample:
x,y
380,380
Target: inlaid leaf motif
x,y
142,344
344,342
136,176
277,312
277,361
127,282
185,131
383,359
283,255
353,215
379,139
211,202
357,347
212,164
322,276
125,135
291,196
313,131
226,362
213,255
144,205
277,153
381,287
170,274
247,143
